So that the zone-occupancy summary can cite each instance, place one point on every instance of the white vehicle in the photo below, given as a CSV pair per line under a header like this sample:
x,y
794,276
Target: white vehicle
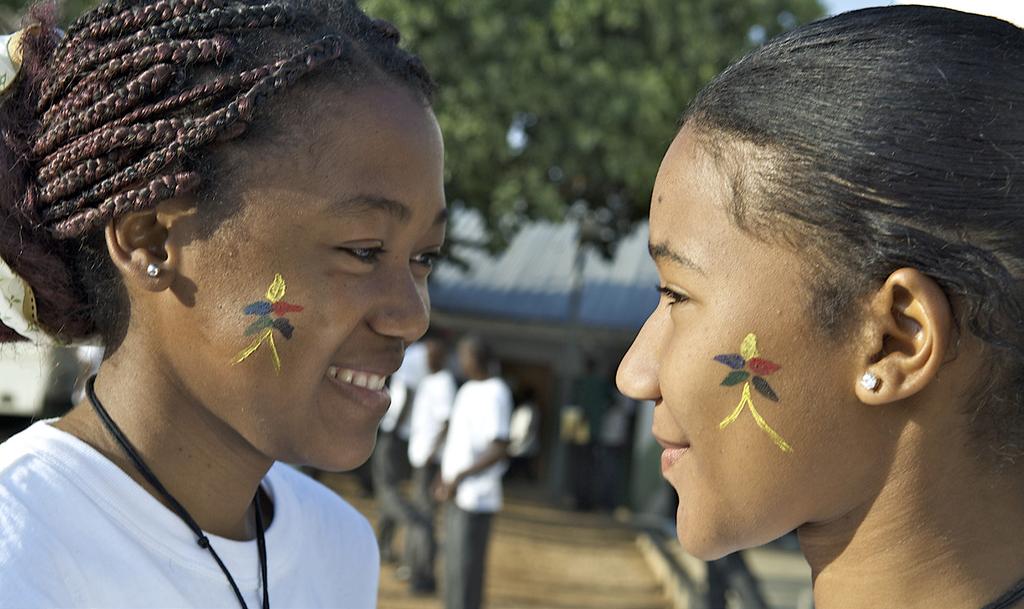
x,y
35,381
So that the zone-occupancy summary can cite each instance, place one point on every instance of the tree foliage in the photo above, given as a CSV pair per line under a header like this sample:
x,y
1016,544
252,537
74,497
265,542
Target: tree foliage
x,y
549,106
552,107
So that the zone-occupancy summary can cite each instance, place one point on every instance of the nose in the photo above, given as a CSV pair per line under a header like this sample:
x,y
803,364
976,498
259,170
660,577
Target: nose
x,y
403,310
637,376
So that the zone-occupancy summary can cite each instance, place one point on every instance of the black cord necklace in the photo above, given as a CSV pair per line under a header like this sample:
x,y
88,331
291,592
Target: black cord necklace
x,y
1010,598
201,538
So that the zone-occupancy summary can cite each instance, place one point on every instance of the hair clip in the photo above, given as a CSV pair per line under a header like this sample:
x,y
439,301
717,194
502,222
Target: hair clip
x,y
11,57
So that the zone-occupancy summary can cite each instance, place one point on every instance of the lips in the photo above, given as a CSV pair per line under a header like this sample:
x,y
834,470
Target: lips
x,y
671,456
673,452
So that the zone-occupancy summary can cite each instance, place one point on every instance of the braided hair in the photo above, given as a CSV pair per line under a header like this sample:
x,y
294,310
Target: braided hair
x,y
117,115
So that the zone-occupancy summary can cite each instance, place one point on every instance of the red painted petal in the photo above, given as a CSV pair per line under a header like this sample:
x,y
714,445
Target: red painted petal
x,y
282,308
762,367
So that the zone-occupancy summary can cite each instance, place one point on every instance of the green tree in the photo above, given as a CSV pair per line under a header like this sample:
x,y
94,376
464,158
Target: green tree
x,y
555,105
552,105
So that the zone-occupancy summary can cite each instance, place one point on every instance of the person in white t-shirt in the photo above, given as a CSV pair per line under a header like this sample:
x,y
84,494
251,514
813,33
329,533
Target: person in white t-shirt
x,y
390,462
431,409
473,463
243,206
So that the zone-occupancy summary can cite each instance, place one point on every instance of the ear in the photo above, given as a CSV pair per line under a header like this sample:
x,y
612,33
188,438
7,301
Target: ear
x,y
910,326
138,240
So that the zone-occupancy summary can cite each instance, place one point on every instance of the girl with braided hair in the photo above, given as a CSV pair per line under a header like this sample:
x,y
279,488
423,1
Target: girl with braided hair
x,y
839,348
241,201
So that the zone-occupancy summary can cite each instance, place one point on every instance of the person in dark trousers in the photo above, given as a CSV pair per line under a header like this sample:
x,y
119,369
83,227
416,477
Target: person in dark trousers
x,y
431,409
390,461
473,463
593,393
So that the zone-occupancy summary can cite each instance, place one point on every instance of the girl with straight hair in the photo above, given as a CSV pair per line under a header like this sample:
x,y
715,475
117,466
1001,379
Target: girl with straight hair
x,y
840,344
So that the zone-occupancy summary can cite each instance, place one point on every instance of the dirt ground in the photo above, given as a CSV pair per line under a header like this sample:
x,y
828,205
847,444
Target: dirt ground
x,y
540,557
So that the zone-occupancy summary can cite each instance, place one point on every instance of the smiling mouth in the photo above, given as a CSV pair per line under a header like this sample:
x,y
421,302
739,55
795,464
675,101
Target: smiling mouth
x,y
365,380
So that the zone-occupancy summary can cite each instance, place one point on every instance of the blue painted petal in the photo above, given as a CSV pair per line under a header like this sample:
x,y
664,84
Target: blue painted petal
x,y
284,326
732,360
259,308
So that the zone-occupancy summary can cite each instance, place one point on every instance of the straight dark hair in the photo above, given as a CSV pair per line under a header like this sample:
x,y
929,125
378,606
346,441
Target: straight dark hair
x,y
888,138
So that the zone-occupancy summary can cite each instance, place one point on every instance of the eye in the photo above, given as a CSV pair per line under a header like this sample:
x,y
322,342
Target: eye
x,y
427,260
368,255
673,296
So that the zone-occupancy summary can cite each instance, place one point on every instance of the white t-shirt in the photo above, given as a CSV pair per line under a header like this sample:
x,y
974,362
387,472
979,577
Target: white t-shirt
x,y
77,531
430,411
414,369
523,431
479,417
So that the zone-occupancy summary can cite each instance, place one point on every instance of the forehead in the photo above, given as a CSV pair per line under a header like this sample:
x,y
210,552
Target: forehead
x,y
690,204
379,141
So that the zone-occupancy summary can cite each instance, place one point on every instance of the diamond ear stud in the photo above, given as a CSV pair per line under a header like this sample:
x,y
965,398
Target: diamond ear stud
x,y
869,381
152,270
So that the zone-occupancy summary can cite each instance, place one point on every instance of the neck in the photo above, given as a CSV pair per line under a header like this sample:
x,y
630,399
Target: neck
x,y
204,463
944,532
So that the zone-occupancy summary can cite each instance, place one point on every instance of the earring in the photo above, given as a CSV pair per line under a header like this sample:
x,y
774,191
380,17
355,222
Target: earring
x,y
869,381
152,270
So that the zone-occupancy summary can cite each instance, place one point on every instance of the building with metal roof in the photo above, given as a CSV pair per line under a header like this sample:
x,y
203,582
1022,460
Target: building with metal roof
x,y
545,305
544,278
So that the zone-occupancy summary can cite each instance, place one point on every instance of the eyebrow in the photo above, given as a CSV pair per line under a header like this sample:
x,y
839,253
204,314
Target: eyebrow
x,y
662,251
366,204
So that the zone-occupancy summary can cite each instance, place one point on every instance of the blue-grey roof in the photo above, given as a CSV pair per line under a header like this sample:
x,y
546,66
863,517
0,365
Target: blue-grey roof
x,y
533,278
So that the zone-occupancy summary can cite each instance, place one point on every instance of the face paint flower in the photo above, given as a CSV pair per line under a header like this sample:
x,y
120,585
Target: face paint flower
x,y
270,316
748,367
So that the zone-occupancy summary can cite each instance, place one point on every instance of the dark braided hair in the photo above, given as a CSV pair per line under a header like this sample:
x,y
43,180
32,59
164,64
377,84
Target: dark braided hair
x,y
118,114
889,138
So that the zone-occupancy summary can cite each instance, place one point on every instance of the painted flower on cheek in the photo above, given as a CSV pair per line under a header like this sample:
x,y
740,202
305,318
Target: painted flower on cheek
x,y
749,368
270,315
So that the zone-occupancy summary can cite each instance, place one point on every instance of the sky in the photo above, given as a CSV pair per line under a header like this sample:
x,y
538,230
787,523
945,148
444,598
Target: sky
x,y
840,6
1011,10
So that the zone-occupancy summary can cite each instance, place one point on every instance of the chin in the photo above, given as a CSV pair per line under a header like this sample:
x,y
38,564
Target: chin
x,y
346,455
705,540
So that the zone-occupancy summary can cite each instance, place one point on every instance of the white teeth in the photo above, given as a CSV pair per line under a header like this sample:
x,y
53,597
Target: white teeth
x,y
359,379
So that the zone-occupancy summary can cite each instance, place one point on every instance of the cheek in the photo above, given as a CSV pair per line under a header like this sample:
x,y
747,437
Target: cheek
x,y
737,486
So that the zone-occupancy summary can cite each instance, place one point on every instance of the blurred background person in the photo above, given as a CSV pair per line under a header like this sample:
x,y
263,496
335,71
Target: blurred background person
x,y
524,435
431,409
592,394
472,465
613,452
390,462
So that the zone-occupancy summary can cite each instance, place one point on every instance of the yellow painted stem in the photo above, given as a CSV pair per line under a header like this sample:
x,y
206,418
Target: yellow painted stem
x,y
729,420
273,352
782,444
245,353
747,401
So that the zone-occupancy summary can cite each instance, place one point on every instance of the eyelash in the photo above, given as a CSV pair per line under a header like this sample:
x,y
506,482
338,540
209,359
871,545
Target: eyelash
x,y
369,255
674,297
428,260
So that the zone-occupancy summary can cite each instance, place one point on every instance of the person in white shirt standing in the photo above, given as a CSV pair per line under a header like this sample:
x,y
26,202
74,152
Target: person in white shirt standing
x,y
428,426
473,463
389,464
